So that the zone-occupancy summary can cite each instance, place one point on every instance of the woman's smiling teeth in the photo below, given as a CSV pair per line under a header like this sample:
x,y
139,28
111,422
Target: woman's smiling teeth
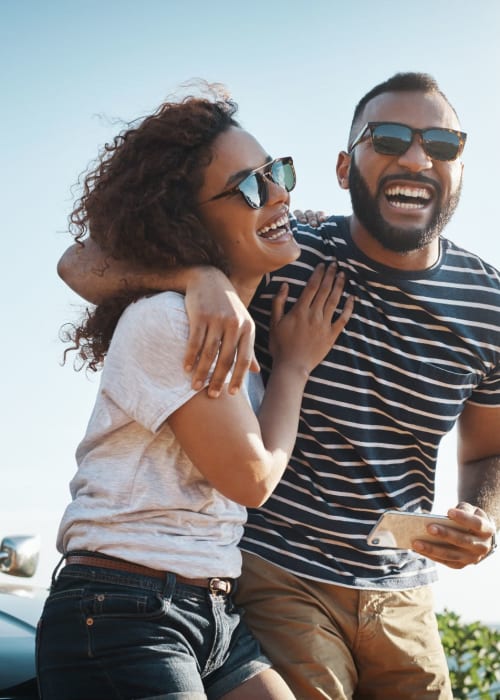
x,y
408,197
275,230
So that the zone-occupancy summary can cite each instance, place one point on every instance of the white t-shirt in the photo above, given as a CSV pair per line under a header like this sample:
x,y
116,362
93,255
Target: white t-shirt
x,y
136,495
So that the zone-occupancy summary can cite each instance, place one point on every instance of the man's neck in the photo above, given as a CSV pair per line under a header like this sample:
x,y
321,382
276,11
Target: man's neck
x,y
416,260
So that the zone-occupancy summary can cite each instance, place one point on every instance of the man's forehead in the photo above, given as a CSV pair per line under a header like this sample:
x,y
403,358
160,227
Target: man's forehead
x,y
415,108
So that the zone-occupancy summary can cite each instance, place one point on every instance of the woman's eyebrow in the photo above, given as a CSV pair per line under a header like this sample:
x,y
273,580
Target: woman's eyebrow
x,y
242,174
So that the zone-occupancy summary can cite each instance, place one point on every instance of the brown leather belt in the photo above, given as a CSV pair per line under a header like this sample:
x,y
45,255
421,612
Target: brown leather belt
x,y
218,586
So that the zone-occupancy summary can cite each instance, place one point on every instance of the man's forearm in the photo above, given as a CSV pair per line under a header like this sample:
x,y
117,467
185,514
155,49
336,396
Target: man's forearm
x,y
479,484
220,327
96,276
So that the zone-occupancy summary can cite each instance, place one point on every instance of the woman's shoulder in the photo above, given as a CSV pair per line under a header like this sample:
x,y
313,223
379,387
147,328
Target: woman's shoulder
x,y
160,301
162,314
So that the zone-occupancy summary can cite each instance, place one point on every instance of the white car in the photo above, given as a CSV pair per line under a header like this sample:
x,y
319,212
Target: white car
x,y
20,609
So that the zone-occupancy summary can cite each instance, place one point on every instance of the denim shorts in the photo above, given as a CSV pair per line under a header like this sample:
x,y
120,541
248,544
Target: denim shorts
x,y
114,635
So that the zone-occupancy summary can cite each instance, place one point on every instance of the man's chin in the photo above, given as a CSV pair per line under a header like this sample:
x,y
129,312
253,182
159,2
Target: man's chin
x,y
407,222
403,240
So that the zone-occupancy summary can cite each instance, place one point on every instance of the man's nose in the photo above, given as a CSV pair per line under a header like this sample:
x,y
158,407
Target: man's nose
x,y
415,158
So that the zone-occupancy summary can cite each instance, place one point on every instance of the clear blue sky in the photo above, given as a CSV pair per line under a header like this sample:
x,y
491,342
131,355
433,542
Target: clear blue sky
x,y
71,69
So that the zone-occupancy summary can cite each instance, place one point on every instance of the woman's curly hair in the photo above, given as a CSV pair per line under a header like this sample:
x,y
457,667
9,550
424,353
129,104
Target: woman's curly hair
x,y
139,204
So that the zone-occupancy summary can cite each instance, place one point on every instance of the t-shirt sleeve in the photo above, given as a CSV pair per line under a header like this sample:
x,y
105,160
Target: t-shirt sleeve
x,y
488,392
143,371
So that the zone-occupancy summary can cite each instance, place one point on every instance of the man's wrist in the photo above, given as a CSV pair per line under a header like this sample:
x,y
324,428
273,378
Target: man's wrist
x,y
203,275
494,545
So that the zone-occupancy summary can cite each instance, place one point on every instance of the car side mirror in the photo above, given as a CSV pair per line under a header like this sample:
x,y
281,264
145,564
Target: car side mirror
x,y
19,555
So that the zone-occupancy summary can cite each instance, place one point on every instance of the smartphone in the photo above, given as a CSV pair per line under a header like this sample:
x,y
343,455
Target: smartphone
x,y
397,529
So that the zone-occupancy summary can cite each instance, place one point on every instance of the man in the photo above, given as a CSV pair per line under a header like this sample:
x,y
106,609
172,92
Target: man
x,y
340,618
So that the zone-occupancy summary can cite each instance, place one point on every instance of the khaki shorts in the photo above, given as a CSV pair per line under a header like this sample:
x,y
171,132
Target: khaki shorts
x,y
344,643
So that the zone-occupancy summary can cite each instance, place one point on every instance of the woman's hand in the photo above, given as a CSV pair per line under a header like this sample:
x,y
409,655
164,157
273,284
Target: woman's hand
x,y
304,336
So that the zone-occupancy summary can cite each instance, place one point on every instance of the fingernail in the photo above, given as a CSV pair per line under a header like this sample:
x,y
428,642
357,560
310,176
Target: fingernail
x,y
197,385
213,393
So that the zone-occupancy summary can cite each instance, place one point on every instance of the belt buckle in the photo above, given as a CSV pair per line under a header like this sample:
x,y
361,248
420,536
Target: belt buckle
x,y
219,586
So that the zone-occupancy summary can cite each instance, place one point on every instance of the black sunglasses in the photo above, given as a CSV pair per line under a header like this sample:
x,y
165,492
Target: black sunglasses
x,y
254,187
392,139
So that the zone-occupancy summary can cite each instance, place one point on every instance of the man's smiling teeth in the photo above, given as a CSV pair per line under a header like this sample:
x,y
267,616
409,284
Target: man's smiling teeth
x,y
279,224
408,197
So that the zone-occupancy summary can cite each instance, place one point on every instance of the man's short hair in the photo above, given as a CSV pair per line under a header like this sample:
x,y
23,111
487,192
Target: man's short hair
x,y
400,82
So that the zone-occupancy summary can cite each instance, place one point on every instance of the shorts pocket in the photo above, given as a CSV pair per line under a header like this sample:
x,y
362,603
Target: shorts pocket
x,y
111,602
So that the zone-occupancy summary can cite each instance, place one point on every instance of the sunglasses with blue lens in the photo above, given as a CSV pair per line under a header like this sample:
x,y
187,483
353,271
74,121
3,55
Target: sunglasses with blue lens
x,y
393,139
254,188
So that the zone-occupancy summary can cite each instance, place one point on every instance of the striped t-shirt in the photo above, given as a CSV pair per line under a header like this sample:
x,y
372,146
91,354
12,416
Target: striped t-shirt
x,y
418,346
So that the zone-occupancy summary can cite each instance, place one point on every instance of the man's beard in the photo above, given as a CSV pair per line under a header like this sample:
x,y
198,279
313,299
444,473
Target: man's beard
x,y
398,240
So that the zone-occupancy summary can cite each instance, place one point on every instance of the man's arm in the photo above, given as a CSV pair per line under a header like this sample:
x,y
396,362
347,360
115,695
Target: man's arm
x,y
219,321
479,459
96,276
478,492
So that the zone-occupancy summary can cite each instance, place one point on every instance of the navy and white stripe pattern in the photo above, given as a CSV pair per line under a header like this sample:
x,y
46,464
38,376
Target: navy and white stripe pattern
x,y
418,346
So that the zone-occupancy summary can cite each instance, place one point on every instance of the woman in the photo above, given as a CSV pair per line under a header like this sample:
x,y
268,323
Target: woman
x,y
143,606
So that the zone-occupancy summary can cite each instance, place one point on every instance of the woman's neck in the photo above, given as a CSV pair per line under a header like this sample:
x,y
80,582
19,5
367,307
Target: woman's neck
x,y
245,287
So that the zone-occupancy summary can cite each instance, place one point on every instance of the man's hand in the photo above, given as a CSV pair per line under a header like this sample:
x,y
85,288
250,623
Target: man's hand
x,y
456,548
219,323
313,218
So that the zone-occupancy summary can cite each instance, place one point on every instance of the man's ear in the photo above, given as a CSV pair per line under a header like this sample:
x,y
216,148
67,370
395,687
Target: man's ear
x,y
343,165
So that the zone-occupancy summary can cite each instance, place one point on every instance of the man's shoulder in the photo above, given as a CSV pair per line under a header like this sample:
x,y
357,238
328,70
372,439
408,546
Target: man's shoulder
x,y
331,232
467,260
319,244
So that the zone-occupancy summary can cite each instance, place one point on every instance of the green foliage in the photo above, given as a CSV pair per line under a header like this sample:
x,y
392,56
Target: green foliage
x,y
473,653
